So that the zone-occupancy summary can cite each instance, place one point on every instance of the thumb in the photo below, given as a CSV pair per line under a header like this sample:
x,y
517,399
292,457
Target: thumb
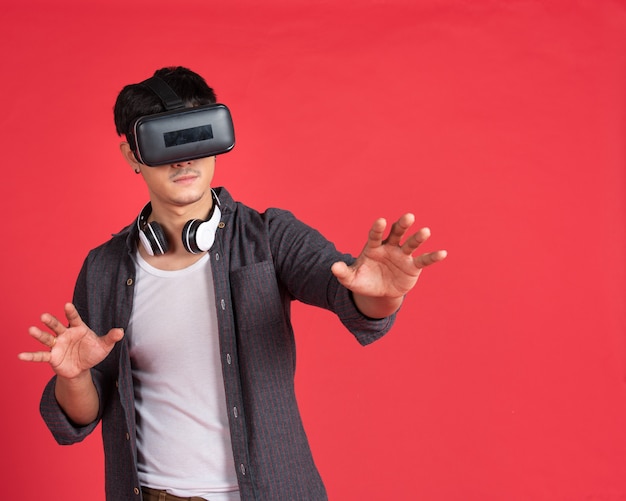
x,y
113,336
340,269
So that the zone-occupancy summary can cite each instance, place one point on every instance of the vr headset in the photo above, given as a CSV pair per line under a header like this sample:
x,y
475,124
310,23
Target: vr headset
x,y
180,134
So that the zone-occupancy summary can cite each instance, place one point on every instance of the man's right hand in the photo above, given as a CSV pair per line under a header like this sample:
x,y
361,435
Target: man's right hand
x,y
74,350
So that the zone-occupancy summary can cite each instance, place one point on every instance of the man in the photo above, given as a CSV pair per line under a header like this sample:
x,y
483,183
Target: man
x,y
186,356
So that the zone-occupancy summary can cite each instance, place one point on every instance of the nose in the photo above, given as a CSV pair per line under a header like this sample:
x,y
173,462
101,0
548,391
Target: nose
x,y
180,165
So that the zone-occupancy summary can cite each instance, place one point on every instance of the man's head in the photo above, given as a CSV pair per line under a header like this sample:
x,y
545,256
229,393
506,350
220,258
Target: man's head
x,y
136,100
181,183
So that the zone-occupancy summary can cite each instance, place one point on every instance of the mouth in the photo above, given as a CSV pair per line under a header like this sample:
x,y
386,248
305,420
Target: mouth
x,y
184,177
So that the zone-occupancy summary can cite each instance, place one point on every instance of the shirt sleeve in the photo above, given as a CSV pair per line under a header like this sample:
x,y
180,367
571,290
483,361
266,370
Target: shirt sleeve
x,y
303,260
64,431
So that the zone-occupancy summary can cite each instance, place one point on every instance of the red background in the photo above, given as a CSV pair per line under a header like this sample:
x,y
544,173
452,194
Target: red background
x,y
500,124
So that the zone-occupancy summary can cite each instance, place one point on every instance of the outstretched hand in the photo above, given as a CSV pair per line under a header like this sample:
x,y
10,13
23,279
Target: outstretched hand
x,y
75,348
386,270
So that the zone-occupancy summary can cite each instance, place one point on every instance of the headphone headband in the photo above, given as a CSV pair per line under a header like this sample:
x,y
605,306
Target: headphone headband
x,y
198,235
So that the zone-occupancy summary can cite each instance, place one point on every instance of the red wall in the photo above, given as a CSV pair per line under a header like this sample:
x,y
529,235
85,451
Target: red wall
x,y
500,124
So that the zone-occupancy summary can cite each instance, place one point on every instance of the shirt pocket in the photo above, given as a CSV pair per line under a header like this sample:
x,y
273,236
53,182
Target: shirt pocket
x,y
256,296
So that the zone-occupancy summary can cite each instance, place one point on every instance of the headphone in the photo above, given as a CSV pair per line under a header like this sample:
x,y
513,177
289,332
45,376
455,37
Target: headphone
x,y
198,234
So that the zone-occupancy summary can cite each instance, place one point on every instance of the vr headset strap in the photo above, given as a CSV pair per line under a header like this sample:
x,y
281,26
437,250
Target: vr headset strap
x,y
168,97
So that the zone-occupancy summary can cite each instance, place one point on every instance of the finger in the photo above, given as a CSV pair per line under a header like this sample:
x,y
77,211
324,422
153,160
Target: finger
x,y
71,313
415,240
340,269
430,258
399,229
53,324
35,356
42,336
113,336
375,236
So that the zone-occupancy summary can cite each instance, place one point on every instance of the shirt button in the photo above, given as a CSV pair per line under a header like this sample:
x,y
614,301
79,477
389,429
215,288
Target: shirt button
x,y
129,281
217,256
127,436
228,359
223,304
235,412
221,224
242,468
136,491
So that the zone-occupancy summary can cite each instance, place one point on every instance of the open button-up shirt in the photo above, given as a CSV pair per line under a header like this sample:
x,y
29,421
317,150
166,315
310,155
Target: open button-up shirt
x,y
260,262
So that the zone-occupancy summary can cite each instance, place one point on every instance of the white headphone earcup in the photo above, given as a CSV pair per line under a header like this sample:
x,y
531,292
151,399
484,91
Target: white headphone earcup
x,y
198,235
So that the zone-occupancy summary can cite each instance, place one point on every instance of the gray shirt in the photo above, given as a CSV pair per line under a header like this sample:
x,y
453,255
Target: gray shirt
x,y
260,263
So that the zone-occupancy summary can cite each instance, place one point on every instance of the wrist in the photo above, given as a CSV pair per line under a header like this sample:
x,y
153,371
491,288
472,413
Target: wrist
x,y
377,307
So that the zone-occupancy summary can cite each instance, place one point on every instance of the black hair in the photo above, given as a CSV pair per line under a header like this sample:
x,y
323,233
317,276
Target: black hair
x,y
136,100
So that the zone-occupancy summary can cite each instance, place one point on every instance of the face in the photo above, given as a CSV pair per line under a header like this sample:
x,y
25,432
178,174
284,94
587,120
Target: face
x,y
180,184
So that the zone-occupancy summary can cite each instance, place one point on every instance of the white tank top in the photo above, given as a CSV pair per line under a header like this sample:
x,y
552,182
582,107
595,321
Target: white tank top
x,y
183,439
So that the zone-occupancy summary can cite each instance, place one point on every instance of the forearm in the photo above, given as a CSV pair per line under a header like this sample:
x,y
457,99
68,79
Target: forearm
x,y
78,398
377,307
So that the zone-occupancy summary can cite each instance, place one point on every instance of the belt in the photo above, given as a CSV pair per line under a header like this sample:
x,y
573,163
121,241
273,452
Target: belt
x,y
157,495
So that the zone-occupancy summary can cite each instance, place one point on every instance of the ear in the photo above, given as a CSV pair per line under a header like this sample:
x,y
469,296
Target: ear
x,y
129,156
